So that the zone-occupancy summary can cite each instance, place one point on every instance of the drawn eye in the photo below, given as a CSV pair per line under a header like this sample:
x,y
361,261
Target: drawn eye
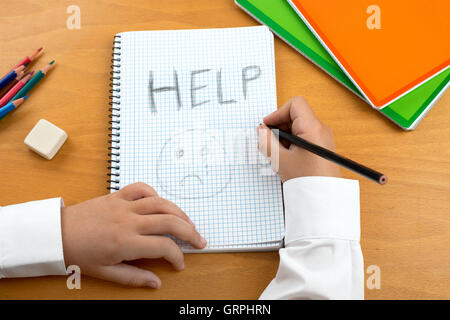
x,y
180,153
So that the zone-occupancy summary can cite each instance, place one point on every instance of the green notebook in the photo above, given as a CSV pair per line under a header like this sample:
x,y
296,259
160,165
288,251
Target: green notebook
x,y
278,15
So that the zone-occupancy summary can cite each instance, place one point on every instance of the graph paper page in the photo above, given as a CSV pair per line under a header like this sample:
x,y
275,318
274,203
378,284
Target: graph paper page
x,y
190,104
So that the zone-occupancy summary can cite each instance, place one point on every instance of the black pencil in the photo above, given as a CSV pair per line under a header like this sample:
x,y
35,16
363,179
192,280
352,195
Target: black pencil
x,y
330,155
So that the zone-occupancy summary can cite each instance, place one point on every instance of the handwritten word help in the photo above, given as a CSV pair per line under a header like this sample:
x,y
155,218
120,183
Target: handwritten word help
x,y
197,85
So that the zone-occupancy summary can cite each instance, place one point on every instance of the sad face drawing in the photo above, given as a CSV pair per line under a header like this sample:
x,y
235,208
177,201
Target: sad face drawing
x,y
192,165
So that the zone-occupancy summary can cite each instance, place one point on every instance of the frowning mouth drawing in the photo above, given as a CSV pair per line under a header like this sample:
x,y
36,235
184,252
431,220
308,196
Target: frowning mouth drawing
x,y
182,182
192,165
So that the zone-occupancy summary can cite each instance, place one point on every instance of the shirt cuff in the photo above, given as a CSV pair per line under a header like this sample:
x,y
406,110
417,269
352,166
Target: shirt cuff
x,y
321,207
31,240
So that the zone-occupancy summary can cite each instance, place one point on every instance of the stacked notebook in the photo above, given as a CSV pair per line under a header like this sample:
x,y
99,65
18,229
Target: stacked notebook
x,y
185,105
401,69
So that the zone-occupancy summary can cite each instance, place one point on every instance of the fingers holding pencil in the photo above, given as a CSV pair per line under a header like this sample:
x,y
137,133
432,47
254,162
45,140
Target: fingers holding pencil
x,y
294,116
310,150
297,117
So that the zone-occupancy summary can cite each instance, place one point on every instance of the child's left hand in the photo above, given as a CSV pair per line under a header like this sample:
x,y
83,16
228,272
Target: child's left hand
x,y
100,234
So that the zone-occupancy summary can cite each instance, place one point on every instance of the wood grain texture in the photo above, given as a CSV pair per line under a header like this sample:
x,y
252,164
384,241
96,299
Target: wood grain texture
x,y
405,225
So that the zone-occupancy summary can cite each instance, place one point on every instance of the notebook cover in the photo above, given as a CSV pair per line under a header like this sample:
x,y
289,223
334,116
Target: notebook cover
x,y
406,112
388,62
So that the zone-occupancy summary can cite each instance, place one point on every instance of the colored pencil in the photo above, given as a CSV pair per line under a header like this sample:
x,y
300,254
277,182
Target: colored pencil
x,y
11,106
25,61
330,155
33,81
11,76
8,87
11,93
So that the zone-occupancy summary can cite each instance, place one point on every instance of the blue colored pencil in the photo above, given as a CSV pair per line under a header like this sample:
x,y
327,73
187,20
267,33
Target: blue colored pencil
x,y
11,106
11,76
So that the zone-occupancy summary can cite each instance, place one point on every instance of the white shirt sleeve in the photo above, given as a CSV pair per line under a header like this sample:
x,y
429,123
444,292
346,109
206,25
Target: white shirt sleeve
x,y
31,240
322,258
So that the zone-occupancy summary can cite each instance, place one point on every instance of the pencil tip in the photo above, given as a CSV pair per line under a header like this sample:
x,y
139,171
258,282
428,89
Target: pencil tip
x,y
52,62
31,73
24,98
40,49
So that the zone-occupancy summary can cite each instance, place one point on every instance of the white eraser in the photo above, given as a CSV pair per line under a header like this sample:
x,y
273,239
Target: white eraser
x,y
45,139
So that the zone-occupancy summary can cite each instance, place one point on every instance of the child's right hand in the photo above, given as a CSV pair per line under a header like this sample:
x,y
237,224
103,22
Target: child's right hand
x,y
297,117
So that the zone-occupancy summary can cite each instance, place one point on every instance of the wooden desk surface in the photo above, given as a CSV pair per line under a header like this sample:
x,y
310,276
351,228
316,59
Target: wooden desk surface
x,y
405,225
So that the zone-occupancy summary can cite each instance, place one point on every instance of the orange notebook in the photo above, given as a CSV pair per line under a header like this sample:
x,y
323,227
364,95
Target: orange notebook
x,y
411,46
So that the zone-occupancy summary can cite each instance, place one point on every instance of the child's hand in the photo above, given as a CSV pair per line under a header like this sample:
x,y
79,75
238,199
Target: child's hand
x,y
100,234
297,117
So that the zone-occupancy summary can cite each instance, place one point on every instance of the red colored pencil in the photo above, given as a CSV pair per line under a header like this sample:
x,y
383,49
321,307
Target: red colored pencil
x,y
11,93
11,76
8,87
30,58
25,61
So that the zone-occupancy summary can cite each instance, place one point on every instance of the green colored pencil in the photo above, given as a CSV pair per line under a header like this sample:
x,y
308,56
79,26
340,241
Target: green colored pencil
x,y
33,81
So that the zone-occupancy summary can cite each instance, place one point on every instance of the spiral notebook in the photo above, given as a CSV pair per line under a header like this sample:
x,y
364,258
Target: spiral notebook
x,y
185,105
